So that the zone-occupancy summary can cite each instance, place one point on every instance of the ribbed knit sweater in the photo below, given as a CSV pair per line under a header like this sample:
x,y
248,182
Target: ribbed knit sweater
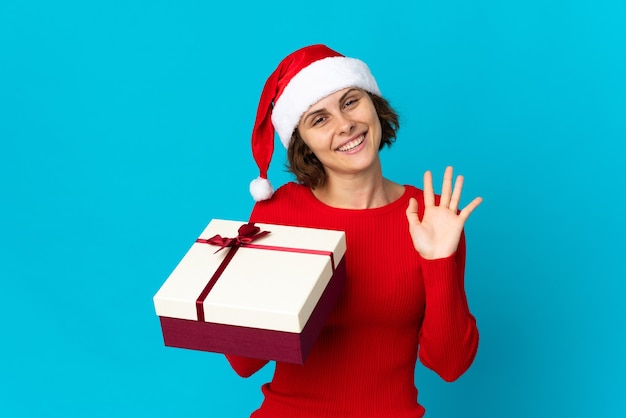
x,y
395,305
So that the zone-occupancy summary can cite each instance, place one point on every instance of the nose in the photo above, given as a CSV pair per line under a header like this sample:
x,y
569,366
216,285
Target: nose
x,y
344,124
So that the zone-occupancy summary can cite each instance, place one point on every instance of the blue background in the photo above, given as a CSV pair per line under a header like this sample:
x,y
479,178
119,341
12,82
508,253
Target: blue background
x,y
125,128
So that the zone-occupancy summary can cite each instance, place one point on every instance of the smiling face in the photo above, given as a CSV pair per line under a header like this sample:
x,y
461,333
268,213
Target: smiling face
x,y
344,132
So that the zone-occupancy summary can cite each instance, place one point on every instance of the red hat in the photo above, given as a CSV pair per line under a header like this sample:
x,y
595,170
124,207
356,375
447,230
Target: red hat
x,y
301,79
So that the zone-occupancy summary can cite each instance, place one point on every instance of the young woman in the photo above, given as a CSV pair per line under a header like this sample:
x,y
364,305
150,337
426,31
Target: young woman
x,y
405,260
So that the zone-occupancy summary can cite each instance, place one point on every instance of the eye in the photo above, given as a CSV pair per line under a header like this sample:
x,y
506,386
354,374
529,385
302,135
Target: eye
x,y
350,102
318,120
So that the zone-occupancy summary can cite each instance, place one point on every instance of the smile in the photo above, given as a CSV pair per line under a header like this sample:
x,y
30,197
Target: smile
x,y
349,146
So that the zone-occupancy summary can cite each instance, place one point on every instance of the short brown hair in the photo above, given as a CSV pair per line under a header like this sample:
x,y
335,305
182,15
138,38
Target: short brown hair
x,y
309,170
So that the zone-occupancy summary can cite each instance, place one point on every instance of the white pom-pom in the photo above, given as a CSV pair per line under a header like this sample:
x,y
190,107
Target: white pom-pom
x,y
261,189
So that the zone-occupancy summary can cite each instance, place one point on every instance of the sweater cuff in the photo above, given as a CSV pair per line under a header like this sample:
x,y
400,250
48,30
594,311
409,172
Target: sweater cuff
x,y
439,271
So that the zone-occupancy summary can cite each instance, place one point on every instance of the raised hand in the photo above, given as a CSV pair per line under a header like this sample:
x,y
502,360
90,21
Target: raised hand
x,y
437,234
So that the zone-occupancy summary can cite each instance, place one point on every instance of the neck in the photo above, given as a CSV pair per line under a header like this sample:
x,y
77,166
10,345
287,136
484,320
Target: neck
x,y
361,191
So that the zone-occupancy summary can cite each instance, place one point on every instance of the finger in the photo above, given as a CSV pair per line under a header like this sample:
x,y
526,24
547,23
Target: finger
x,y
411,212
446,189
429,194
467,210
456,194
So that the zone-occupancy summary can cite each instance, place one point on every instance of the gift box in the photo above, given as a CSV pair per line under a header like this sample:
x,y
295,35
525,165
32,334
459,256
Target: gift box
x,y
256,290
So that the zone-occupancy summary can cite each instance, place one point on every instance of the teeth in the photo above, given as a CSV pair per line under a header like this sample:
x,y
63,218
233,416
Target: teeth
x,y
352,144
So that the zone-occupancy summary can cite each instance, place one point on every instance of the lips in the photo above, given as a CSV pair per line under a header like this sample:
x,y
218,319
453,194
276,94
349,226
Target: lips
x,y
352,144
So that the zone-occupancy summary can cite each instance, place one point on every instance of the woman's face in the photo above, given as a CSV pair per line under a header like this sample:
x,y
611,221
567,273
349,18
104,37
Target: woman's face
x,y
343,131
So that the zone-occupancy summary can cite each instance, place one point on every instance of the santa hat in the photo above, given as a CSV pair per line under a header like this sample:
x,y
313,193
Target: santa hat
x,y
301,79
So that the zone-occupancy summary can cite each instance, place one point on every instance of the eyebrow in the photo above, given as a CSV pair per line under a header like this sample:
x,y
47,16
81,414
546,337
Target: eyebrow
x,y
341,99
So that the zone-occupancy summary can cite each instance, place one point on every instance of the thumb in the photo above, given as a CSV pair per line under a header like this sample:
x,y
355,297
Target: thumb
x,y
411,212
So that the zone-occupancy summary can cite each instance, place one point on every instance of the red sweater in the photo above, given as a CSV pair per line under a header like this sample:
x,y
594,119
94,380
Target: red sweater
x,y
395,305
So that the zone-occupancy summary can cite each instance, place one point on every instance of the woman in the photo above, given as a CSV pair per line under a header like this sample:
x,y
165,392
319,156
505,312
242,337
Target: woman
x,y
405,260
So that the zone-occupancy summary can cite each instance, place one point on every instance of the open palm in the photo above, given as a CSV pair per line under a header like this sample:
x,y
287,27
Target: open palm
x,y
437,234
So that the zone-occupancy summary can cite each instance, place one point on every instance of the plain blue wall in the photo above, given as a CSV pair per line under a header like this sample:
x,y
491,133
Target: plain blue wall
x,y
125,126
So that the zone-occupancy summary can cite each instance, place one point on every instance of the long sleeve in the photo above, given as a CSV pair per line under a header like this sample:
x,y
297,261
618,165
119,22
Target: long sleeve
x,y
244,366
448,337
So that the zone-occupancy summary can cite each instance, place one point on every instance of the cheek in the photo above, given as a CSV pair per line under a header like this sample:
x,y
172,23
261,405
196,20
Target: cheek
x,y
315,140
378,128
